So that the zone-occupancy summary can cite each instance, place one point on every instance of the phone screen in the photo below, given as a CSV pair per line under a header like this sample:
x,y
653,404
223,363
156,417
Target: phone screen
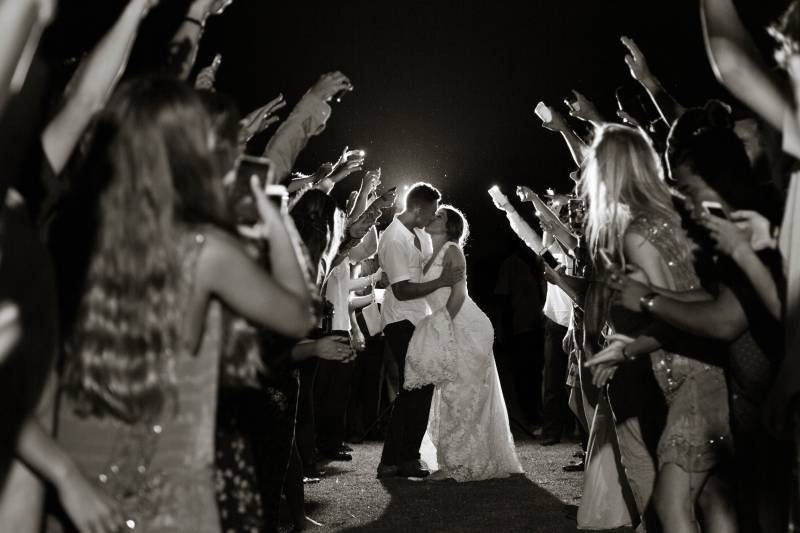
x,y
249,166
715,208
551,261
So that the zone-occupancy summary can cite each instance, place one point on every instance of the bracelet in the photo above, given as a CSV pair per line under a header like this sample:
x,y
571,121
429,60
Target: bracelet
x,y
195,21
647,301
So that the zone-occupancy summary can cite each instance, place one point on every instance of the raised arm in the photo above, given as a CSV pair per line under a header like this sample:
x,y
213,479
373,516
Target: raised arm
x,y
549,219
667,106
523,230
186,41
736,62
307,119
369,183
21,25
281,302
92,84
577,148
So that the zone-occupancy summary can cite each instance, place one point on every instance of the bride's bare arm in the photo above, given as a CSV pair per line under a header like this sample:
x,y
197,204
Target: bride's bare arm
x,y
455,257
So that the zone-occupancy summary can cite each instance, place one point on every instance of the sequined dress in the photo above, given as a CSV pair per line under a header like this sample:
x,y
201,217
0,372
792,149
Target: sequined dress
x,y
696,435
161,474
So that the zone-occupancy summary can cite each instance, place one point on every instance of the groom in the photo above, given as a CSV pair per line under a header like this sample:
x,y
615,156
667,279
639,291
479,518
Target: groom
x,y
403,250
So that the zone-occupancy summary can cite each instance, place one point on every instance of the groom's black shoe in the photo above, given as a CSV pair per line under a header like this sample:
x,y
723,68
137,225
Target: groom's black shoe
x,y
385,471
412,469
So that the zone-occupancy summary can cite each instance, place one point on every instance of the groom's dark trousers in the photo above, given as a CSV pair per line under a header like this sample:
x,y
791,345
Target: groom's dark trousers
x,y
409,418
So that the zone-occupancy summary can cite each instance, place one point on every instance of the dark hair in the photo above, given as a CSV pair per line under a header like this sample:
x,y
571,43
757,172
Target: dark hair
x,y
456,226
225,117
704,138
422,193
316,216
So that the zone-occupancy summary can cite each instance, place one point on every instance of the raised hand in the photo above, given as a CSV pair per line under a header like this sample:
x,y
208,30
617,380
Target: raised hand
x,y
208,8
342,171
628,119
260,119
557,123
500,200
330,84
525,194
636,62
351,156
372,180
583,109
387,198
207,77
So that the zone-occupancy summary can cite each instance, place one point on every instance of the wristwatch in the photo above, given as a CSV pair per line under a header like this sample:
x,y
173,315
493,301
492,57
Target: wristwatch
x,y
647,301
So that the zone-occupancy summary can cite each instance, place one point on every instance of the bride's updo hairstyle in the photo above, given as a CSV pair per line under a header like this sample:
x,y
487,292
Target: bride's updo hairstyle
x,y
457,227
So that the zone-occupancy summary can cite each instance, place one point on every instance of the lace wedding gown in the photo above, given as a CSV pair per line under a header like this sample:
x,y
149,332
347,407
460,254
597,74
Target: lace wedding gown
x,y
468,436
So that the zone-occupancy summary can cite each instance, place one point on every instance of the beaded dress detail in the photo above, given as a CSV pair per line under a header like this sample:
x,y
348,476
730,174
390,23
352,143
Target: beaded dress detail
x,y
696,435
161,473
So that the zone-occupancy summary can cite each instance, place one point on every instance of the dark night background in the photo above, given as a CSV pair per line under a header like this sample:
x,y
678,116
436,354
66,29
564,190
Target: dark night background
x,y
444,91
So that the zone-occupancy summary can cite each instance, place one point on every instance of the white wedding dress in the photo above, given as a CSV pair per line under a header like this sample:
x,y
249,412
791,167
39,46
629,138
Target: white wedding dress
x,y
468,436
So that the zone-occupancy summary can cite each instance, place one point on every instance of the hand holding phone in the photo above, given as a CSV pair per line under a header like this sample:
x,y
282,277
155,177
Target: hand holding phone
x,y
714,208
543,112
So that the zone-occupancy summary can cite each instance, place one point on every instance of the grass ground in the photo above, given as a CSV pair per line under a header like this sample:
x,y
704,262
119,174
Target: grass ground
x,y
350,498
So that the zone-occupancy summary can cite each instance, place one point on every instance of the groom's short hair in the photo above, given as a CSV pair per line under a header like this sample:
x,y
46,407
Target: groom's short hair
x,y
422,193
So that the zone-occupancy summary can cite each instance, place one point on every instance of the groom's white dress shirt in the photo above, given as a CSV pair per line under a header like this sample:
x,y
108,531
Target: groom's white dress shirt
x,y
403,261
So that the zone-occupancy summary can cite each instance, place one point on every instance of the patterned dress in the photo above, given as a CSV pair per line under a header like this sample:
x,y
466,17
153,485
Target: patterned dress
x,y
696,436
161,474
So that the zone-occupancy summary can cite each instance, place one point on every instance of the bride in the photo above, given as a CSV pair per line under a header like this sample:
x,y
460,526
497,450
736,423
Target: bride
x,y
452,348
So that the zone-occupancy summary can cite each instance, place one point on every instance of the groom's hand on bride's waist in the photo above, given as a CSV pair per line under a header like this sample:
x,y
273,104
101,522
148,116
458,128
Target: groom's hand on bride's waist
x,y
451,274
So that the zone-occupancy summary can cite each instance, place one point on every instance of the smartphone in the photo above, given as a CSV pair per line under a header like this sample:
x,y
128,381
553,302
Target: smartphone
x,y
543,112
277,194
496,194
551,261
250,166
714,208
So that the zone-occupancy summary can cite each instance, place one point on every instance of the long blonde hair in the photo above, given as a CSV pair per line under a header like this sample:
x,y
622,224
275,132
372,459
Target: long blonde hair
x,y
622,178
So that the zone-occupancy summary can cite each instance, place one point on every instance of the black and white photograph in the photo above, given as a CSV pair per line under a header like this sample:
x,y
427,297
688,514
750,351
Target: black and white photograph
x,y
399,267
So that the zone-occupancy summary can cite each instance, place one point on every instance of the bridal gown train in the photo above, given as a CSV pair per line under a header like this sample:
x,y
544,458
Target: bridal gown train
x,y
468,436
